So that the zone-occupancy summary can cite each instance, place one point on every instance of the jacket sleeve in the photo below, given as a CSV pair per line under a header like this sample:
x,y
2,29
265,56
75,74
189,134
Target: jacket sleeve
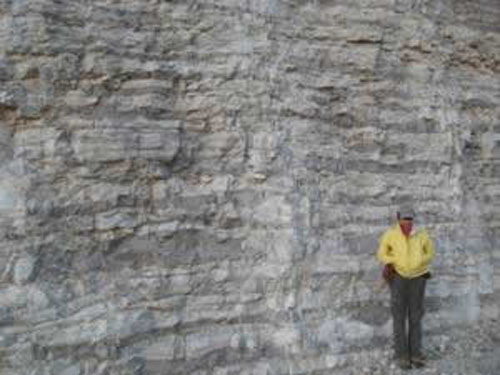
x,y
385,254
428,250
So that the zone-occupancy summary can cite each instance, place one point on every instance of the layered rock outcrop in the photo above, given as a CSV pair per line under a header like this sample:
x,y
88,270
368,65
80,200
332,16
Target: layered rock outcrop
x,y
198,187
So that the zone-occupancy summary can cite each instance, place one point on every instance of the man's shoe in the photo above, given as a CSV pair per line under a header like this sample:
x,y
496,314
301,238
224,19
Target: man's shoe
x,y
403,363
418,361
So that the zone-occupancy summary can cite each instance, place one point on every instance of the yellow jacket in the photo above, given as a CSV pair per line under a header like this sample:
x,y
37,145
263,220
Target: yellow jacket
x,y
410,255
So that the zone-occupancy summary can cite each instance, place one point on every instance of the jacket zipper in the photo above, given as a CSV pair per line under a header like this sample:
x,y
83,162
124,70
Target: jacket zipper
x,y
407,238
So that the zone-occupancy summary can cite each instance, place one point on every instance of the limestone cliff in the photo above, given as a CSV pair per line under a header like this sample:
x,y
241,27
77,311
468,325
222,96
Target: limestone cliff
x,y
198,187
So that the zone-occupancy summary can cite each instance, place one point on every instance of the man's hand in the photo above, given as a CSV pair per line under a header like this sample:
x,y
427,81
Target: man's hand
x,y
388,272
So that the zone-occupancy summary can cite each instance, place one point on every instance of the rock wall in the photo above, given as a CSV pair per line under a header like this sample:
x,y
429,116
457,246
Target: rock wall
x,y
198,187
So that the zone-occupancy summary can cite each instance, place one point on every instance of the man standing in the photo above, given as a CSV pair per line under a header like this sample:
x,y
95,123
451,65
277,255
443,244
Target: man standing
x,y
406,254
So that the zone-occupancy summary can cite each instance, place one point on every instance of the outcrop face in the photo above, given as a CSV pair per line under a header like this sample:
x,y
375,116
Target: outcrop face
x,y
198,187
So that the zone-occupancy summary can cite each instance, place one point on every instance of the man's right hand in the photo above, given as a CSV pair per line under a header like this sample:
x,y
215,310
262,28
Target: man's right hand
x,y
388,272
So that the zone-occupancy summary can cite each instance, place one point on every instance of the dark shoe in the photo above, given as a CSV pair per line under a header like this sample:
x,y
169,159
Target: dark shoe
x,y
403,363
418,361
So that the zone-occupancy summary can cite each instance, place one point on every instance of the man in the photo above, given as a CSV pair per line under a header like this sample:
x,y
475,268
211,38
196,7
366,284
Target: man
x,y
406,254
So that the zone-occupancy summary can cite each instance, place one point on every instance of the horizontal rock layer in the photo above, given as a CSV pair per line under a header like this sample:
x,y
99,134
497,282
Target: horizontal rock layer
x,y
199,187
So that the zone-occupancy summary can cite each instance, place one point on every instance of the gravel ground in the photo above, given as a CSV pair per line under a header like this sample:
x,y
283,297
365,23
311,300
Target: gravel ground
x,y
468,350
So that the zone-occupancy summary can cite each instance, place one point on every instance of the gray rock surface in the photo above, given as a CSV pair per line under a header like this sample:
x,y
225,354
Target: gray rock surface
x,y
198,187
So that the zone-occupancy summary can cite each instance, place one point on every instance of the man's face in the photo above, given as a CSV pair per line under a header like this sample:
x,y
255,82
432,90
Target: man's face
x,y
406,226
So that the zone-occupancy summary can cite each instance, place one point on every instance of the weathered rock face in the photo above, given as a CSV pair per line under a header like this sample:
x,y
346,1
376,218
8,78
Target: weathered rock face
x,y
198,187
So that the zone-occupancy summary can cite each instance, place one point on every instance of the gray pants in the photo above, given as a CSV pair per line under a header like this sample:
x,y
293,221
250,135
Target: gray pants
x,y
407,306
